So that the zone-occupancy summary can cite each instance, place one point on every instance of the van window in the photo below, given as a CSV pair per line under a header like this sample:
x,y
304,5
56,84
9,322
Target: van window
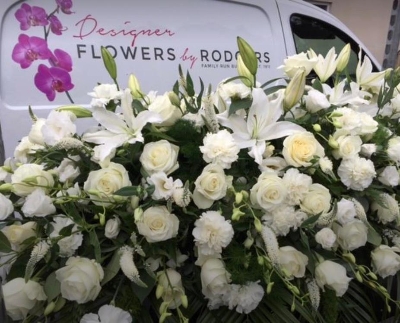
x,y
309,32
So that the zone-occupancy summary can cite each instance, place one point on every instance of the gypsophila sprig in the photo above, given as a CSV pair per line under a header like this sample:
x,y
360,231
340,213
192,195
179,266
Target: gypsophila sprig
x,y
237,203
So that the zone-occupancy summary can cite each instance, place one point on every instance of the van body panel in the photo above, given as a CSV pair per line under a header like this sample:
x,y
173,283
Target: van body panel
x,y
199,35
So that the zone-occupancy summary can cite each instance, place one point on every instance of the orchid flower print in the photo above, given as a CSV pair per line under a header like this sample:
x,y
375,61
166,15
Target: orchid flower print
x,y
53,66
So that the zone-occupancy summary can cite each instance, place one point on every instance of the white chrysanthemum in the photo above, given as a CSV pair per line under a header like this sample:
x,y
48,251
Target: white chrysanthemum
x,y
244,297
220,148
356,173
387,208
281,219
346,211
69,244
212,233
297,185
107,314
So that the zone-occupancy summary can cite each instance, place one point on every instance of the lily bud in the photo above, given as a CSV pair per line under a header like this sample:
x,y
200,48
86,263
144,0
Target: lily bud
x,y
317,127
109,62
49,308
333,143
174,99
248,79
138,213
343,58
78,111
257,224
134,86
248,55
295,89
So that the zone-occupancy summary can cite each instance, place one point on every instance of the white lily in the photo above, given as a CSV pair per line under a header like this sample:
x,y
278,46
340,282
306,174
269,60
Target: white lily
x,y
339,96
119,130
325,66
367,79
261,124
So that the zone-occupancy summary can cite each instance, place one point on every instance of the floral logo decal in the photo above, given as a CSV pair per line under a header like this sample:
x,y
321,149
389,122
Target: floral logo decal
x,y
53,77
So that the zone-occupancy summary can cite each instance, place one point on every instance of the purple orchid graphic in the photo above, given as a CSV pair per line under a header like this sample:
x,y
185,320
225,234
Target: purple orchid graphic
x,y
65,6
61,59
52,80
30,49
31,16
56,26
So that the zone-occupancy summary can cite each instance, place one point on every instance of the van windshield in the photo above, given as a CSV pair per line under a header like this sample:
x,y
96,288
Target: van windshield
x,y
309,32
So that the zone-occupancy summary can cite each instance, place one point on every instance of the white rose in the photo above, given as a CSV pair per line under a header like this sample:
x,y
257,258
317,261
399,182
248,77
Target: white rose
x,y
393,150
368,124
6,207
105,182
20,297
160,156
295,62
35,135
38,204
80,279
297,185
317,200
212,232
387,212
68,245
299,149
220,148
211,185
385,261
292,261
18,233
356,173
351,235
168,112
273,164
68,171
269,192
214,278
333,275
389,176
28,177
112,228
326,238
58,125
158,224
106,314
349,146
171,282
315,101
346,211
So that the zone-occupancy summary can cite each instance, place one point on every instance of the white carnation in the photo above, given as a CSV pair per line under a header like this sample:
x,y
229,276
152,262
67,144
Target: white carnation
x,y
220,148
244,297
297,185
104,93
356,173
281,219
212,233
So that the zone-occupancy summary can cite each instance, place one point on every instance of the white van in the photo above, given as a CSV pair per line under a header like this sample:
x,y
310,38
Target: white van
x,y
148,38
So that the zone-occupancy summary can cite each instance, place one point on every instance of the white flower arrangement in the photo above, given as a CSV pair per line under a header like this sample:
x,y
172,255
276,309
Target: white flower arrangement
x,y
247,204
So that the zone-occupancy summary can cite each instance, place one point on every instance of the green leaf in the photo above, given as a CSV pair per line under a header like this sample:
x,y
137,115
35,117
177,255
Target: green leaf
x,y
189,85
66,231
94,241
240,104
374,237
137,105
5,245
127,191
52,287
112,268
143,292
309,223
270,82
200,95
273,89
